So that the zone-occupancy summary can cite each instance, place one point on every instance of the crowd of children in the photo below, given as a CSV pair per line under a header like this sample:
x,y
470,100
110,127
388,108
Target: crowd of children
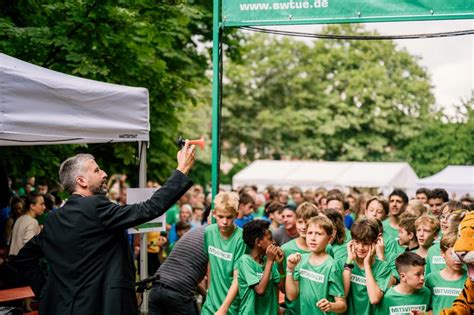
x,y
302,257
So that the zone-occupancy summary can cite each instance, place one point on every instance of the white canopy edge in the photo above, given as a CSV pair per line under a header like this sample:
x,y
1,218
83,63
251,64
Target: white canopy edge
x,y
313,174
40,106
457,179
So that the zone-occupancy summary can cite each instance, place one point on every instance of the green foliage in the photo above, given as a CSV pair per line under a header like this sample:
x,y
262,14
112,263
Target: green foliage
x,y
442,144
138,43
334,100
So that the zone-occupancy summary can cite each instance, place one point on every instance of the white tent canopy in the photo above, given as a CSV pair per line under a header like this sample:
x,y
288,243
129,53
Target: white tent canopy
x,y
457,179
312,174
41,106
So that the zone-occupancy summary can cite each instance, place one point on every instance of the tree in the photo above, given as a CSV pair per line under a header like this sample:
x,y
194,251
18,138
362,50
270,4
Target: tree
x,y
333,100
440,144
145,43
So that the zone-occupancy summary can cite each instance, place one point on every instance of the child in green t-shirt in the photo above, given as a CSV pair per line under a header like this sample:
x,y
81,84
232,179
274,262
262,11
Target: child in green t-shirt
x,y
223,245
304,212
365,277
410,295
317,278
257,271
427,228
445,285
338,247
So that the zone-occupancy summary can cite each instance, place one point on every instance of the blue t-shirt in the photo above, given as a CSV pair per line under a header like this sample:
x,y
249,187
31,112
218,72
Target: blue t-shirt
x,y
241,222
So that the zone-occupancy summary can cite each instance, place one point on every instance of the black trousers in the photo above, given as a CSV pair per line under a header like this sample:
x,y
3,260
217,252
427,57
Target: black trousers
x,y
164,300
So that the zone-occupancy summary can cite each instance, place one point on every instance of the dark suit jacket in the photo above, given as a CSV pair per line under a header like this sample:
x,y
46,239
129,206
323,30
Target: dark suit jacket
x,y
85,244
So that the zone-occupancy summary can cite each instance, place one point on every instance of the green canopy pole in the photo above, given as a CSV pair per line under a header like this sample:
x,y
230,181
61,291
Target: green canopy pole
x,y
216,111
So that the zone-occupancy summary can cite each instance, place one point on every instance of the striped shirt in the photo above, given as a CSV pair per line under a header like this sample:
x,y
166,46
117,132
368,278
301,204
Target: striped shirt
x,y
186,265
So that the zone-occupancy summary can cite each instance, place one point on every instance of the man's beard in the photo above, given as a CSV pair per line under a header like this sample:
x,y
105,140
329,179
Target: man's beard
x,y
100,190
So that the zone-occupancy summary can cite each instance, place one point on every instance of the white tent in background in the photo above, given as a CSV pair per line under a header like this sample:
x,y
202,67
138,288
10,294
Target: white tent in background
x,y
41,106
457,179
312,174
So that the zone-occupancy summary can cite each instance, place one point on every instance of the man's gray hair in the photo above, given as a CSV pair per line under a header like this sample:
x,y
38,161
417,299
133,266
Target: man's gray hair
x,y
72,168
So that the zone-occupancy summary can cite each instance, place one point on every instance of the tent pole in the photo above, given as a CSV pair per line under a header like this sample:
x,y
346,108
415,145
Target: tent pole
x,y
216,90
143,236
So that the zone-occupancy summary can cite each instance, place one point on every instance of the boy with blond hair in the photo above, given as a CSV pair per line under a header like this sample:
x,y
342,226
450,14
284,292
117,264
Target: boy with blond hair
x,y
410,296
427,228
224,245
365,277
304,212
317,278
447,284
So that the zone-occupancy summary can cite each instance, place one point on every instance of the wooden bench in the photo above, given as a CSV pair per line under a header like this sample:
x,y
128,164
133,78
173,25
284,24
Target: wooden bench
x,y
16,294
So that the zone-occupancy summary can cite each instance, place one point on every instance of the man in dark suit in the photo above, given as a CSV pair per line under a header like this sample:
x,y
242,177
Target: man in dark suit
x,y
90,269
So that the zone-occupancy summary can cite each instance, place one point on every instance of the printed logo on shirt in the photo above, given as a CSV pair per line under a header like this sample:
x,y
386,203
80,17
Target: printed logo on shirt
x,y
219,253
406,309
438,260
358,279
313,276
446,291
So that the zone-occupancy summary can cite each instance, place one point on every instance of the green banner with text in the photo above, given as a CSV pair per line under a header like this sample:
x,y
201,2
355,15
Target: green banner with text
x,y
292,12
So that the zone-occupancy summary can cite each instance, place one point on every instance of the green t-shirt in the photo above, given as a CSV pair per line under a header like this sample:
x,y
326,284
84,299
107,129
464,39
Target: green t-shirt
x,y
318,282
223,255
392,250
340,250
250,274
358,300
389,233
394,303
172,215
443,292
292,307
260,212
434,261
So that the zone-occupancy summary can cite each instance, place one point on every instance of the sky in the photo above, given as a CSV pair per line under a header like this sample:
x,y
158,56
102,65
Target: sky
x,y
448,60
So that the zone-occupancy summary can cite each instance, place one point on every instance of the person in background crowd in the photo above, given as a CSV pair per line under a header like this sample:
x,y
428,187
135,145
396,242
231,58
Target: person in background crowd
x,y
27,226
246,205
397,202
17,206
297,196
467,200
427,228
198,213
436,198
422,195
283,197
377,207
416,208
288,231
273,212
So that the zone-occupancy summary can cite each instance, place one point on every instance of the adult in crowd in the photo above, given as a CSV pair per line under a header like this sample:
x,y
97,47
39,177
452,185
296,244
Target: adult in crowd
x,y
397,202
27,226
91,270
179,277
288,231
